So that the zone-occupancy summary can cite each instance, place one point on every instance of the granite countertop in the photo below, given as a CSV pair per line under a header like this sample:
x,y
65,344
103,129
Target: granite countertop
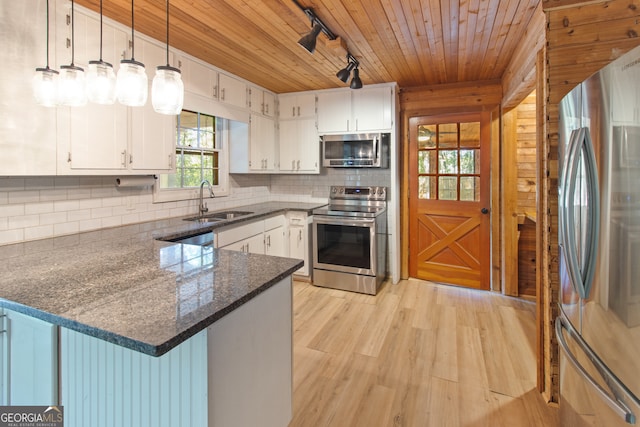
x,y
124,286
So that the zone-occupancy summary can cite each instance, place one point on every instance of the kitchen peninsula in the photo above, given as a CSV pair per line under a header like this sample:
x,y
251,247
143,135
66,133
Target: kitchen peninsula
x,y
126,329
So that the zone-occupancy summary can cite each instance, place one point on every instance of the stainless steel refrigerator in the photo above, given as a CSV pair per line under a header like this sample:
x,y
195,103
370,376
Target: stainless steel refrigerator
x,y
598,329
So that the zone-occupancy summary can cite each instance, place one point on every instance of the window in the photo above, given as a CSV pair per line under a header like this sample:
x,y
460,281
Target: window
x,y
449,161
200,154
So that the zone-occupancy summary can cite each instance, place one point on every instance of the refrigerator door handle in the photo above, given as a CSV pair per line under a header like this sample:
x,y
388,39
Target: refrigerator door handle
x,y
580,147
617,405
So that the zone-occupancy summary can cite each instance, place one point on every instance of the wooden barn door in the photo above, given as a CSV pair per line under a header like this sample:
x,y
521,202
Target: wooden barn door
x,y
449,200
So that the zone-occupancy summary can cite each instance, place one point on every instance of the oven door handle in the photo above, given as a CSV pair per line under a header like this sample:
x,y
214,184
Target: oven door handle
x,y
340,220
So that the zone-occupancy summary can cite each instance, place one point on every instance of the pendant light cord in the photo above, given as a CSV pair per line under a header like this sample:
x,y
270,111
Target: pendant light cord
x,y
167,32
133,42
73,42
100,30
47,35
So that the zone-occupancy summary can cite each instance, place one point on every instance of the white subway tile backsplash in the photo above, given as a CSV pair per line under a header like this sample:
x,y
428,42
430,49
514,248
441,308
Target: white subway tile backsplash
x,y
101,212
30,196
24,221
53,195
66,205
40,232
12,184
79,215
90,224
53,218
66,228
12,236
11,210
38,208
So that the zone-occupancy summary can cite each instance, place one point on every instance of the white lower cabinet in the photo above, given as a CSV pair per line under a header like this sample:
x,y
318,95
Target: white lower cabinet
x,y
299,241
29,361
257,237
274,239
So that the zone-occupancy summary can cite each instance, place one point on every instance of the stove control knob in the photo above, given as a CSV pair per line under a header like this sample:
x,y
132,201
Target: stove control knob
x,y
334,190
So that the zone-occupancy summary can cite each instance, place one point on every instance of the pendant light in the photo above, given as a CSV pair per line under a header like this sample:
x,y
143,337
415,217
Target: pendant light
x,y
167,89
71,84
132,84
45,80
101,79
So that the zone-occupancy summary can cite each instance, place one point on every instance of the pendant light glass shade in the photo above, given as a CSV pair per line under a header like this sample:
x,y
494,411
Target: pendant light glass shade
x,y
45,80
101,79
71,86
45,87
101,83
71,83
167,91
132,85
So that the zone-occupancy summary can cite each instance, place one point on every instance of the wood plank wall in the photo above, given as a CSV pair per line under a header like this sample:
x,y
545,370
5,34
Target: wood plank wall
x,y
526,154
581,38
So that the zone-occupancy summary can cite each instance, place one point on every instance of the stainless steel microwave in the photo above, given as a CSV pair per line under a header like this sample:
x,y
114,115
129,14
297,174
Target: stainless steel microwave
x,y
361,150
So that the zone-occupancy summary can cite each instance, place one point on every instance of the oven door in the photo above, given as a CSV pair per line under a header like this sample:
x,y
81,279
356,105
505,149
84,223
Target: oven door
x,y
344,244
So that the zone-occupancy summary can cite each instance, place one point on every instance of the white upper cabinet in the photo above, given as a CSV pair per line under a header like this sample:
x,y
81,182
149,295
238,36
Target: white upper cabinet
x,y
299,146
93,137
361,110
153,135
263,147
299,141
27,135
232,91
262,102
197,77
297,106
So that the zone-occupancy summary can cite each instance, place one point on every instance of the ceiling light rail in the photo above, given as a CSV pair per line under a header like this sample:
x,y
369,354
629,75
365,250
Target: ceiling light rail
x,y
308,41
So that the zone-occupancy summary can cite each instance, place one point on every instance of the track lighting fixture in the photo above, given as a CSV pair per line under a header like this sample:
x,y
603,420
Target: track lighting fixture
x,y
356,83
132,83
345,73
45,80
167,89
308,41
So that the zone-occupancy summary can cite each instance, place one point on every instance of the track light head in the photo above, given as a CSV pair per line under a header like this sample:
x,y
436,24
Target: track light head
x,y
345,73
356,83
309,41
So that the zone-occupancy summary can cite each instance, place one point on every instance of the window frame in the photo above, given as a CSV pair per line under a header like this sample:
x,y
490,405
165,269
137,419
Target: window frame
x,y
161,195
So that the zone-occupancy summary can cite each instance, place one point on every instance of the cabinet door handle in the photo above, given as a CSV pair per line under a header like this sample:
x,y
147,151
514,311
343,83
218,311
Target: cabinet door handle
x,y
298,111
223,93
215,91
300,235
293,111
124,158
298,165
347,124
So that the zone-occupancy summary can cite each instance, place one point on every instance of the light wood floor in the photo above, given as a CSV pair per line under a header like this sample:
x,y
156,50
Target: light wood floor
x,y
417,354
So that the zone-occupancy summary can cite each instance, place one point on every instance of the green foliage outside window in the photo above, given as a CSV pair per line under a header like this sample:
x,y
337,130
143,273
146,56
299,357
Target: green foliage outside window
x,y
197,152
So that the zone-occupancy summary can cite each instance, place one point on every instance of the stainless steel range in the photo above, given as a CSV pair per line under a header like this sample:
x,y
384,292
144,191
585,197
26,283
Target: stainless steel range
x,y
350,240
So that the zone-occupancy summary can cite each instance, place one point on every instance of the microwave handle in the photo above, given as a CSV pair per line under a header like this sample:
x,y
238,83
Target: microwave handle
x,y
376,142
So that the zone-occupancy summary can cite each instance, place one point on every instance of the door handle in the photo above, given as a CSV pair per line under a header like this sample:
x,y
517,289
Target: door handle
x,y
484,211
615,403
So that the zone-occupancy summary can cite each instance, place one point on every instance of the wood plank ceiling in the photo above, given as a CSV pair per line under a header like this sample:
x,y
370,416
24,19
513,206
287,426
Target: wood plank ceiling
x,y
411,42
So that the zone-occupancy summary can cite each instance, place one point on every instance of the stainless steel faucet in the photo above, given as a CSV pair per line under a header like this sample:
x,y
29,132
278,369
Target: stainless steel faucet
x,y
202,209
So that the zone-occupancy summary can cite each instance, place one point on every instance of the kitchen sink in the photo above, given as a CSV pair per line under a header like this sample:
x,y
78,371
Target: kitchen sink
x,y
219,216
